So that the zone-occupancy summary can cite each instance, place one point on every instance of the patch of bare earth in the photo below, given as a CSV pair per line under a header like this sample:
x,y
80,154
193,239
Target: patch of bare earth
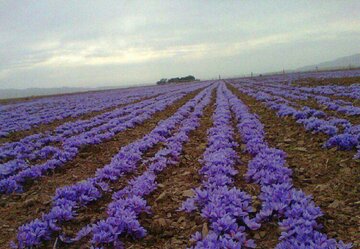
x,y
17,209
332,177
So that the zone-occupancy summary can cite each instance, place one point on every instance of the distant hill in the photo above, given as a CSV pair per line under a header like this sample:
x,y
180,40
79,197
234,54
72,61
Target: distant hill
x,y
28,92
343,62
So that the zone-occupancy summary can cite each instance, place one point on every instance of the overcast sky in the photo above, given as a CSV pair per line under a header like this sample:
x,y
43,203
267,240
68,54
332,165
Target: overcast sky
x,y
100,43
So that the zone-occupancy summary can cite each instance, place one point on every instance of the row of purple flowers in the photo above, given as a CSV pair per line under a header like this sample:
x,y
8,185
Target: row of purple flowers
x,y
342,133
16,172
69,199
25,115
295,211
226,208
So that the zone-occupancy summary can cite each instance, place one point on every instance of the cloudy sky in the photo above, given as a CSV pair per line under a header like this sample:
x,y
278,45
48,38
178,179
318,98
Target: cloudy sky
x,y
101,43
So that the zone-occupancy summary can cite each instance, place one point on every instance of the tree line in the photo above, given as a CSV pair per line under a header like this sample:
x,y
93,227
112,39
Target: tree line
x,y
188,78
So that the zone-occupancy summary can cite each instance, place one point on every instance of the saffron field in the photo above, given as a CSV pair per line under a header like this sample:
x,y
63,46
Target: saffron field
x,y
257,162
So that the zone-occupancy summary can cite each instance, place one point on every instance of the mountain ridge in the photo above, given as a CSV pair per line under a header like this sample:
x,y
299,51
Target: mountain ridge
x,y
350,61
10,93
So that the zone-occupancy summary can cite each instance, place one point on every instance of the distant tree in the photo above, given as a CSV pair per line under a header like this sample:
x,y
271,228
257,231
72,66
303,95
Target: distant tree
x,y
162,81
188,78
174,80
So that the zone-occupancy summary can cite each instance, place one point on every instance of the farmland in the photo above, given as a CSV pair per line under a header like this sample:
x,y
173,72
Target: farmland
x,y
257,162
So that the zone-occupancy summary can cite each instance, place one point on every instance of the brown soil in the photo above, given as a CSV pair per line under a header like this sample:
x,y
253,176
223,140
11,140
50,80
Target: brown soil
x,y
18,209
322,82
331,176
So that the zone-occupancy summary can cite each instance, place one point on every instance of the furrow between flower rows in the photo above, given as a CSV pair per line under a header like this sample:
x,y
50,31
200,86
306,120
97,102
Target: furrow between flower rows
x,y
313,120
342,107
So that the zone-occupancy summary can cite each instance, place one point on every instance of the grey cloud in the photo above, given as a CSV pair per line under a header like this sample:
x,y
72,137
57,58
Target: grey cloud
x,y
46,43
